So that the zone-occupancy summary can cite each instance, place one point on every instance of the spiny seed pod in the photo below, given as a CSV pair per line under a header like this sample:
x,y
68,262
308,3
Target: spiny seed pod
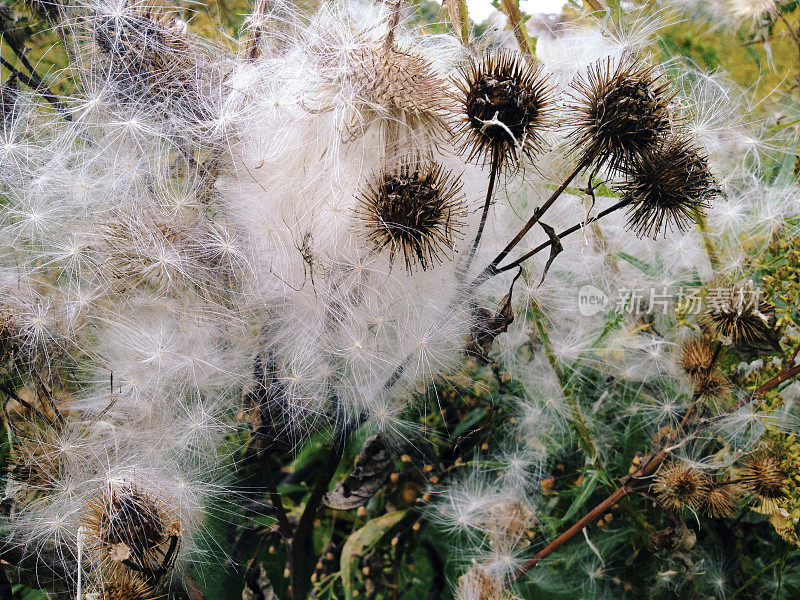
x,y
124,523
666,188
147,56
403,87
720,501
696,356
678,487
739,315
481,584
619,112
507,524
505,104
714,385
119,583
763,474
413,210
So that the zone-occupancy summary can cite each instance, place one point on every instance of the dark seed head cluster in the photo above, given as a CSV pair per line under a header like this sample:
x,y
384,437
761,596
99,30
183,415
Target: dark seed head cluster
x,y
620,111
505,106
667,188
415,210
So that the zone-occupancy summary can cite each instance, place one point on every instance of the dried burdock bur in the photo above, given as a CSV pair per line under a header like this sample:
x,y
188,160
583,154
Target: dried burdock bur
x,y
666,188
677,487
504,106
416,210
763,475
125,524
620,111
120,583
148,57
373,467
402,86
697,356
720,501
488,325
739,315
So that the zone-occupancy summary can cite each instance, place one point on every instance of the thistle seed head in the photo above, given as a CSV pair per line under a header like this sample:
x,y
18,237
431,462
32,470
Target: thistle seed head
x,y
666,188
120,583
504,104
739,315
402,86
678,487
619,112
126,523
763,475
720,501
414,210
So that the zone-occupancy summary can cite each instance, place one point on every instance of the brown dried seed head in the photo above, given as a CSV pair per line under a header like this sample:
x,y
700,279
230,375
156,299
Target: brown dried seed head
x,y
678,487
414,210
763,475
119,583
619,112
666,188
696,356
122,516
720,501
402,86
739,315
504,105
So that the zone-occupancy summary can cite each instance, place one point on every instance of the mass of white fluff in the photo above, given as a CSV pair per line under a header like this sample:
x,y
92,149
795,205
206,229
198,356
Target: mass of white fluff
x,y
155,284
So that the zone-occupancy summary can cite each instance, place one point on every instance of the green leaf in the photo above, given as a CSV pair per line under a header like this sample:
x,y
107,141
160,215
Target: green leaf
x,y
471,419
644,267
361,541
584,493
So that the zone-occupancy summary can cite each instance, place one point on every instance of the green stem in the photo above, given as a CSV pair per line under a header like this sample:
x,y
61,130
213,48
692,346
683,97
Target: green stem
x,y
577,420
702,226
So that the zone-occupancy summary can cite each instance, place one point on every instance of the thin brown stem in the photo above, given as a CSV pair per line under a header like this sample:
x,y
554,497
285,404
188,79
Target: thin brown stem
x,y
564,234
484,214
540,211
648,466
284,527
